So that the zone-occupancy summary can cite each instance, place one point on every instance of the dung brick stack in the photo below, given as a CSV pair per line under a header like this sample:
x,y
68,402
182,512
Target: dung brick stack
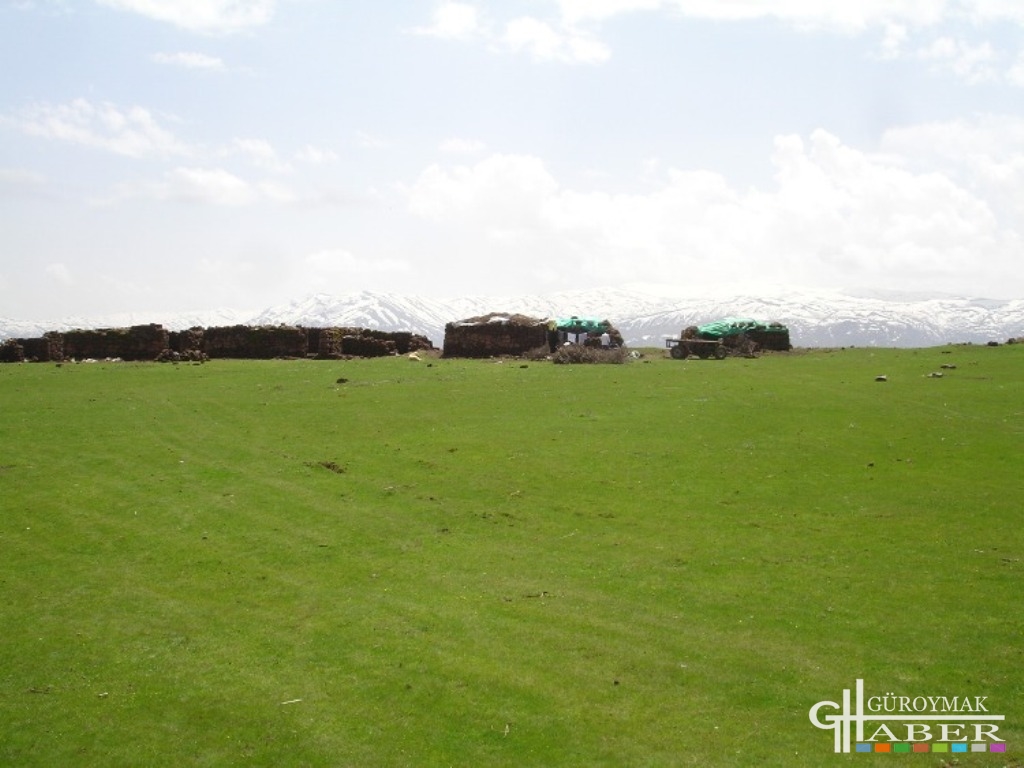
x,y
254,342
154,342
139,342
494,335
367,346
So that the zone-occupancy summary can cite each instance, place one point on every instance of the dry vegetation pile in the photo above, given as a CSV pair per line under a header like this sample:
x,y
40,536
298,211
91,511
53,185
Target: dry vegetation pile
x,y
588,353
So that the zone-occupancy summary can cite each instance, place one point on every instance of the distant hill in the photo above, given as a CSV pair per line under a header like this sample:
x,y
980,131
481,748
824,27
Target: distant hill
x,y
815,319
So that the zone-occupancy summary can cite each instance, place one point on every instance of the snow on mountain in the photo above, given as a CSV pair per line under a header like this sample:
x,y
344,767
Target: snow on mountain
x,y
172,321
814,318
363,309
644,317
840,319
391,312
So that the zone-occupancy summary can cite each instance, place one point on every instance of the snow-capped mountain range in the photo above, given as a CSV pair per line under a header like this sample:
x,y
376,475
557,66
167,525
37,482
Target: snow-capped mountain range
x,y
815,318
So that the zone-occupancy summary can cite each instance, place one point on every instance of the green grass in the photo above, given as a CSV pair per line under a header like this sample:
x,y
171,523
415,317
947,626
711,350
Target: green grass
x,y
467,563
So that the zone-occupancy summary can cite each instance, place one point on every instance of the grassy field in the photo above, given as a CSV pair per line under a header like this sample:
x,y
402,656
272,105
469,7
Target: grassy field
x,y
473,563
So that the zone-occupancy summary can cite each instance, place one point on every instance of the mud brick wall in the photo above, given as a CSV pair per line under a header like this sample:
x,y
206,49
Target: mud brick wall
x,y
367,346
493,339
12,352
153,342
139,342
325,343
48,348
777,341
362,342
255,342
189,340
404,341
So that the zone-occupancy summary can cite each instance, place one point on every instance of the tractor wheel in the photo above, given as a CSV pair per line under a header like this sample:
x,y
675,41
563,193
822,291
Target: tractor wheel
x,y
720,352
678,353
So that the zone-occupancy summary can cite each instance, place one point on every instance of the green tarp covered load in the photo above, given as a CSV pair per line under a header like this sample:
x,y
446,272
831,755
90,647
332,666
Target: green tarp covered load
x,y
582,325
734,326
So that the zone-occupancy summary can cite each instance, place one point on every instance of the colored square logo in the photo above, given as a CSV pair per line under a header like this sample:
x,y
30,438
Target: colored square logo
x,y
940,747
957,747
979,747
900,747
997,748
863,747
924,746
883,747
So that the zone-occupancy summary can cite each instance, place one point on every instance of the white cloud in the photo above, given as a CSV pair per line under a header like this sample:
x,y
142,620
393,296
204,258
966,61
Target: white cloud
x,y
15,179
338,269
338,262
190,60
458,146
851,16
543,40
860,213
259,152
575,11
893,41
570,35
984,153
1015,74
983,11
60,273
974,63
835,214
226,270
547,43
132,131
453,21
370,141
203,186
500,191
207,185
201,15
316,155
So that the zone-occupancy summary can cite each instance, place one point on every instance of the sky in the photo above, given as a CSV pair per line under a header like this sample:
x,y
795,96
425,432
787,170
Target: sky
x,y
186,155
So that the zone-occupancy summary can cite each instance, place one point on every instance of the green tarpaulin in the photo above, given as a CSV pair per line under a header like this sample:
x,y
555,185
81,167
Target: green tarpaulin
x,y
733,326
581,324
